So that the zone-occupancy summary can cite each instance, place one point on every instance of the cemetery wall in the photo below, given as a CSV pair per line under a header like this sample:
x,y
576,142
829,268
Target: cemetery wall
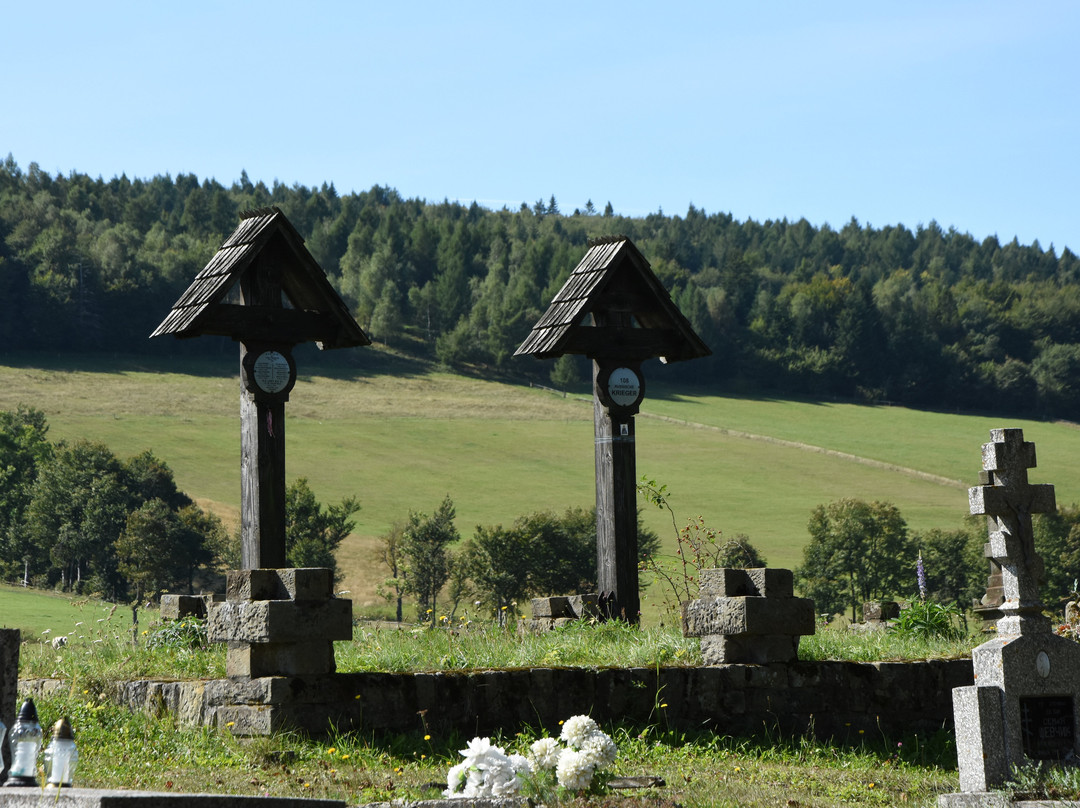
x,y
837,700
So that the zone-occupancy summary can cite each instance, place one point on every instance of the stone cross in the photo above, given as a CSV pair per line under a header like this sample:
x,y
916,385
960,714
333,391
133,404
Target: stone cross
x,y
1008,501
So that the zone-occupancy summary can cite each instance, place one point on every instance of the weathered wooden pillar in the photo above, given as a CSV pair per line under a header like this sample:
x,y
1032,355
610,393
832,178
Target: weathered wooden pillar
x,y
616,510
262,473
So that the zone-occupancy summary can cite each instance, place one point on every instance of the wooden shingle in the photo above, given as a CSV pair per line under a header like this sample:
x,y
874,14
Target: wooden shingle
x,y
613,279
263,284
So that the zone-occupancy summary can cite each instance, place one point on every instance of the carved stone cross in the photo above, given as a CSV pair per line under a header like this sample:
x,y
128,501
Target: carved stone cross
x,y
1008,500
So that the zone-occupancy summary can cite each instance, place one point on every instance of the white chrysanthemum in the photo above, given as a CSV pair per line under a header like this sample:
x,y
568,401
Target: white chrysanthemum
x,y
504,786
478,749
521,764
577,729
600,749
573,771
455,780
544,753
474,784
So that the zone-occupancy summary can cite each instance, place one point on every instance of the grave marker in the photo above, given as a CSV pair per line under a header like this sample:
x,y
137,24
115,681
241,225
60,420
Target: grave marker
x,y
632,319
1023,707
10,639
266,291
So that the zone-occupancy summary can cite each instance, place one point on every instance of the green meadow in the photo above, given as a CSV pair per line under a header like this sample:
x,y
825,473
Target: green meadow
x,y
401,436
44,615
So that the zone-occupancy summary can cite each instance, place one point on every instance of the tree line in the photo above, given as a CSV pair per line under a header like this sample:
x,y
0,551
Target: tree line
x,y
926,317
76,517
862,551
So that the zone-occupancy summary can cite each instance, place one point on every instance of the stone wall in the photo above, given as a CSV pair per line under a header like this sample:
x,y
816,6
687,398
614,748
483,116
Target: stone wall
x,y
828,699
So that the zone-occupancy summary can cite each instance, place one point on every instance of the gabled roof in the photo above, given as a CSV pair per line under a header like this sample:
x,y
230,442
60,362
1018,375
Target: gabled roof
x,y
614,278
309,310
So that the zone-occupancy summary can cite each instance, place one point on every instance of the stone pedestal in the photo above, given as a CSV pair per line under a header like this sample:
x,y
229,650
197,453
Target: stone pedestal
x,y
561,610
277,623
9,685
748,616
280,622
177,607
880,611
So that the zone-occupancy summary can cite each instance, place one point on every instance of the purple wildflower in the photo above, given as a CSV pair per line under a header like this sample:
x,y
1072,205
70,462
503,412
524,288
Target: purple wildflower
x,y
920,573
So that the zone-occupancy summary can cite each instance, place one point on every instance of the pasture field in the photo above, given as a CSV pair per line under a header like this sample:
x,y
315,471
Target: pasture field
x,y
44,615
401,436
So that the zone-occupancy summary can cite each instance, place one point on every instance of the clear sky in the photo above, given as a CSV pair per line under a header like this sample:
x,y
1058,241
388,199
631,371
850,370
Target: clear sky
x,y
967,113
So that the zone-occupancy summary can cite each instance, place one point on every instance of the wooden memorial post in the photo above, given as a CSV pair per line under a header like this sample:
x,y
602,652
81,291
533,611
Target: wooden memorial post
x,y
632,319
265,290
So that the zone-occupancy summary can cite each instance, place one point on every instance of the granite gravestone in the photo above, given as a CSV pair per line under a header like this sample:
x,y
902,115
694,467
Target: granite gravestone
x,y
9,685
1023,706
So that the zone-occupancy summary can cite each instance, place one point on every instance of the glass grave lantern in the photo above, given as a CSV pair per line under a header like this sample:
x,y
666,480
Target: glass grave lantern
x,y
61,756
25,740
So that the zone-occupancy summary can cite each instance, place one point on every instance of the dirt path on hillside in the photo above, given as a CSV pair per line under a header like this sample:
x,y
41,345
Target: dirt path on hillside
x,y
807,447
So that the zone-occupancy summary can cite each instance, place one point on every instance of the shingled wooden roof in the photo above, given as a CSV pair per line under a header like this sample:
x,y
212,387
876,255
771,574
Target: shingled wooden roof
x,y
614,278
306,310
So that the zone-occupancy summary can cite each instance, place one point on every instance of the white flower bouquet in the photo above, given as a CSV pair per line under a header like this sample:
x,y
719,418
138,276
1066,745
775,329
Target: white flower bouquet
x,y
487,771
588,750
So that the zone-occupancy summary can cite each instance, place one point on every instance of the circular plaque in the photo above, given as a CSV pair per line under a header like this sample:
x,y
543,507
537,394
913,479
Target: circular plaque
x,y
624,387
271,372
1042,664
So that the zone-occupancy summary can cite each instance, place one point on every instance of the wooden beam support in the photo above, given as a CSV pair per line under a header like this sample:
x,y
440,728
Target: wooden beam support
x,y
616,512
262,480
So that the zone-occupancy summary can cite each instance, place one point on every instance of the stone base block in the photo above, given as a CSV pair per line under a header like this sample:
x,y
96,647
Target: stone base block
x,y
280,659
880,611
305,583
721,650
263,621
550,608
543,625
575,607
271,690
980,737
726,582
584,607
266,719
993,799
735,616
177,607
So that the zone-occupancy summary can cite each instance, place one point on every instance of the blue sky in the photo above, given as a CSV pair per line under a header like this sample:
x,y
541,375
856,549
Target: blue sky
x,y
967,113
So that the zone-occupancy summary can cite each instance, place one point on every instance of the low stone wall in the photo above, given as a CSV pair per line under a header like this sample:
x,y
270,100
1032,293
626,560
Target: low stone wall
x,y
836,700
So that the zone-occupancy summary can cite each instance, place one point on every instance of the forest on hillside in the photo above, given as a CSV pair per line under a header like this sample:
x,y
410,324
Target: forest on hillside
x,y
926,317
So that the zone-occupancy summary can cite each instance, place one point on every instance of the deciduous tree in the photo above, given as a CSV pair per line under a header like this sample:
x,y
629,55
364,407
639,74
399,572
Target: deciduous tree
x,y
425,544
312,534
858,552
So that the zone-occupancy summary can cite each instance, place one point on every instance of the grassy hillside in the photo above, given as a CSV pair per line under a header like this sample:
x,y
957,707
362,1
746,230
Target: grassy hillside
x,y
50,614
402,436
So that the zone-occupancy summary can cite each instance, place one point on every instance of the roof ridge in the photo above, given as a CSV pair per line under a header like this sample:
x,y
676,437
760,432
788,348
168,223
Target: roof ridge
x,y
267,211
601,240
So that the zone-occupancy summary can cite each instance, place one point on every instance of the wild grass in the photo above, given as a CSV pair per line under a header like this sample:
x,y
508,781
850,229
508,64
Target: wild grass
x,y
121,749
107,651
